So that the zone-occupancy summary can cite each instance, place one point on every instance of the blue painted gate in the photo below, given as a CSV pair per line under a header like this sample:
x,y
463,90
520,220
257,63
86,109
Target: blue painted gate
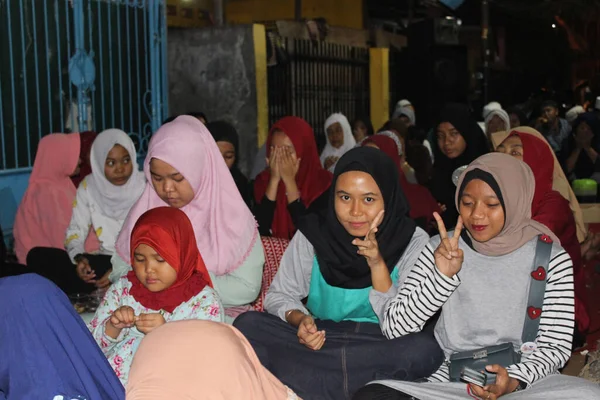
x,y
77,65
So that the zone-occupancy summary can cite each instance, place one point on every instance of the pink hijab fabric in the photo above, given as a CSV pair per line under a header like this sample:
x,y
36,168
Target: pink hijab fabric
x,y
45,211
224,227
198,360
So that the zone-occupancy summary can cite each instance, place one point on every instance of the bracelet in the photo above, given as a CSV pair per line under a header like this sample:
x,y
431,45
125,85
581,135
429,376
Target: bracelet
x,y
288,313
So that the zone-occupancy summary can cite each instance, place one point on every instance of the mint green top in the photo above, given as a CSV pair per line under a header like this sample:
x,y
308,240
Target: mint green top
x,y
339,304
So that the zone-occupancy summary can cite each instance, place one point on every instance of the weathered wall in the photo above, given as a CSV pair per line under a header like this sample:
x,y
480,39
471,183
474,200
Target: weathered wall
x,y
213,70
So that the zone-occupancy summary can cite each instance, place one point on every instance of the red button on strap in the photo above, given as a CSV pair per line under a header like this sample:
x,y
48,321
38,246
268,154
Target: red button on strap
x,y
539,274
534,312
546,239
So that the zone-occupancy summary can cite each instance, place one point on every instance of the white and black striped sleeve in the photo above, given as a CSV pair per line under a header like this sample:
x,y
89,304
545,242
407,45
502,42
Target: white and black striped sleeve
x,y
555,333
422,294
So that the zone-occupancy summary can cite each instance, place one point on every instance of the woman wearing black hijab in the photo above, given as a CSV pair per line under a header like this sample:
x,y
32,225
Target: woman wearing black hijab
x,y
331,345
460,140
228,142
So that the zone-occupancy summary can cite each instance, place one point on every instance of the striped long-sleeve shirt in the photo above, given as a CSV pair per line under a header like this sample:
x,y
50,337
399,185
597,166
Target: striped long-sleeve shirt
x,y
485,304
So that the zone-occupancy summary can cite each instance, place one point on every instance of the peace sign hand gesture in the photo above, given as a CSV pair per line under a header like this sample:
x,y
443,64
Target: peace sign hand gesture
x,y
369,248
448,257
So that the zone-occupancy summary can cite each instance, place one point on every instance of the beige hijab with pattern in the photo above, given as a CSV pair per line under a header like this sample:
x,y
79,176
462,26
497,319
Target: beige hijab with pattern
x,y
560,183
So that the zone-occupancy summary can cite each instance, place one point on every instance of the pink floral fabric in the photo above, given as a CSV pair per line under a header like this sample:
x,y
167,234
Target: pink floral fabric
x,y
120,351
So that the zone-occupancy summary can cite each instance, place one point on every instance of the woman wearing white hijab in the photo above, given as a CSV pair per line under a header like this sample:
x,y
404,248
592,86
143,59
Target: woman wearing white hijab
x,y
339,140
103,201
496,120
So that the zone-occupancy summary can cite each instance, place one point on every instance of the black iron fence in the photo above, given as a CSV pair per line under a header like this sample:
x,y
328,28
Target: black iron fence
x,y
317,79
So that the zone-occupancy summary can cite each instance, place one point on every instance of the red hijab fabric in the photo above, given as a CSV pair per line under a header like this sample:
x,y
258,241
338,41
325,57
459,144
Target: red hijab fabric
x,y
170,233
312,179
87,139
421,201
551,209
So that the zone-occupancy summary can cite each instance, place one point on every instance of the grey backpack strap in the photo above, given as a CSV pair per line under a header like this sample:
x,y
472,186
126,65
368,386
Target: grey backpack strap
x,y
538,276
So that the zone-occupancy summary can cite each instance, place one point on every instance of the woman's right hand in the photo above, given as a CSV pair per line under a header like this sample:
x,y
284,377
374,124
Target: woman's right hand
x,y
85,271
308,334
289,165
123,317
448,257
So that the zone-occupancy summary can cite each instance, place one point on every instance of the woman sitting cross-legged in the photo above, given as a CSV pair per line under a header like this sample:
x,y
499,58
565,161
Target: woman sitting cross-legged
x,y
505,290
103,200
333,345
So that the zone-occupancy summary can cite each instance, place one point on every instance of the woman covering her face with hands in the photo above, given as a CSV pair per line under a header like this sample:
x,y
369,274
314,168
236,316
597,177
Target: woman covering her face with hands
x,y
364,239
480,278
579,154
293,181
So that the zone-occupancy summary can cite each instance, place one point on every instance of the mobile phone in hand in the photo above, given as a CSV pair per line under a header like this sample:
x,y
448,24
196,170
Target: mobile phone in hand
x,y
475,377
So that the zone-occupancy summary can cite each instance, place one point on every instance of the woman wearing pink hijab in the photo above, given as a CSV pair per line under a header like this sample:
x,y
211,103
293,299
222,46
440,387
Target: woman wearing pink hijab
x,y
185,169
200,360
45,211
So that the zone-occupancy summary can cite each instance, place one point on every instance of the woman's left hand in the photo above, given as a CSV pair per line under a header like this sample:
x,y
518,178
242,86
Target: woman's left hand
x,y
504,384
146,323
369,248
288,165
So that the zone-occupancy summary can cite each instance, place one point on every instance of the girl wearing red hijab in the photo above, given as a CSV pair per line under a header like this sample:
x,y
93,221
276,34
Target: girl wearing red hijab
x,y
421,202
294,177
169,282
550,208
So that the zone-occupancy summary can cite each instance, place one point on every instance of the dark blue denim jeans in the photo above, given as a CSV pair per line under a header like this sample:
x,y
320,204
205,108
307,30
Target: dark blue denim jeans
x,y
353,355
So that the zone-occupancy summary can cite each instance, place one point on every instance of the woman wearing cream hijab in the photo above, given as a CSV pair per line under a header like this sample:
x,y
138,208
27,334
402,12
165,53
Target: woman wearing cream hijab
x,y
201,360
560,182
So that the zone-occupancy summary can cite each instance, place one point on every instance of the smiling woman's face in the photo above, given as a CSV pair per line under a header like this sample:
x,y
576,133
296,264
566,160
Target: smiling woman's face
x,y
358,200
481,211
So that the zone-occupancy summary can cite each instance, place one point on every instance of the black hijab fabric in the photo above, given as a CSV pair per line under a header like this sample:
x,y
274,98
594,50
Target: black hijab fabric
x,y
223,131
340,265
442,187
